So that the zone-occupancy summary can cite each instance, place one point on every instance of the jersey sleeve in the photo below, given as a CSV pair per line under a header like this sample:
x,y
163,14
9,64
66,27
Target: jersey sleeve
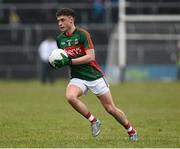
x,y
86,40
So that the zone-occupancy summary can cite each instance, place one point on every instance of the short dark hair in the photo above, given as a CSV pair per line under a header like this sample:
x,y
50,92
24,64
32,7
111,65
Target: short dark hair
x,y
65,12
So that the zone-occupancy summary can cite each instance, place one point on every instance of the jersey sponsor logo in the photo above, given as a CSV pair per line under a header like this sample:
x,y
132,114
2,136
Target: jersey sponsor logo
x,y
71,42
74,50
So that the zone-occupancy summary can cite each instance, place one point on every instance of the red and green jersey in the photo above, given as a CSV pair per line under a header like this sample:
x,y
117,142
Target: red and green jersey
x,y
75,46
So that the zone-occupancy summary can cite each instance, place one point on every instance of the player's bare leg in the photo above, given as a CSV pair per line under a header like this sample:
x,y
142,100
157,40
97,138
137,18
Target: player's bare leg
x,y
72,95
107,102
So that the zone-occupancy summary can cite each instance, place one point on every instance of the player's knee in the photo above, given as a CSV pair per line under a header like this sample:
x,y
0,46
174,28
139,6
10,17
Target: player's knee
x,y
71,98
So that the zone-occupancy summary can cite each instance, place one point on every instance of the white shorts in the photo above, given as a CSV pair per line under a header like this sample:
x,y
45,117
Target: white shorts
x,y
98,87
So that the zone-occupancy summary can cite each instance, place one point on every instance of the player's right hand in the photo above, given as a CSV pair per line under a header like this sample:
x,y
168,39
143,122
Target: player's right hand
x,y
58,63
51,65
66,60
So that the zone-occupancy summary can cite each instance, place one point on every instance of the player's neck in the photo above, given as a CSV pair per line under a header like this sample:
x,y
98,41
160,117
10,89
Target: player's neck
x,y
70,31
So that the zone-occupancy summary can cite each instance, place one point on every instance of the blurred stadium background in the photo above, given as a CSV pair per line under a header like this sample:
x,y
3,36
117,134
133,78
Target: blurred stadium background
x,y
32,115
151,35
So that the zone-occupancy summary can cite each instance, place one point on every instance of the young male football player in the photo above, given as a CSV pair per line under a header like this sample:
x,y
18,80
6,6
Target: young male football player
x,y
85,73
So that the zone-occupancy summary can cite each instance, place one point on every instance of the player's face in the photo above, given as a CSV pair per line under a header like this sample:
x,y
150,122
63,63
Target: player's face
x,y
65,23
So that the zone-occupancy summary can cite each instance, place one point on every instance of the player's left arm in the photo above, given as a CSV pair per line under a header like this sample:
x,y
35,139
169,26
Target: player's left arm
x,y
90,56
89,49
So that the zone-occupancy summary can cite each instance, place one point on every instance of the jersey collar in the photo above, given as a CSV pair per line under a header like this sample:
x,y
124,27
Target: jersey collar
x,y
69,35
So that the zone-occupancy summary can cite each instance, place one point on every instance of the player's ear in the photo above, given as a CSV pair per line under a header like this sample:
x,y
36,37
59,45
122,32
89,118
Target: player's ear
x,y
71,19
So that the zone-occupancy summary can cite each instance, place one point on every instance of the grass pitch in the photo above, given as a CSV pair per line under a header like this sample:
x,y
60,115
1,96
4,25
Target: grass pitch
x,y
33,115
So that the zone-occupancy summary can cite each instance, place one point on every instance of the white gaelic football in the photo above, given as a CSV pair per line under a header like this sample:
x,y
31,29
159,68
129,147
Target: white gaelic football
x,y
56,55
